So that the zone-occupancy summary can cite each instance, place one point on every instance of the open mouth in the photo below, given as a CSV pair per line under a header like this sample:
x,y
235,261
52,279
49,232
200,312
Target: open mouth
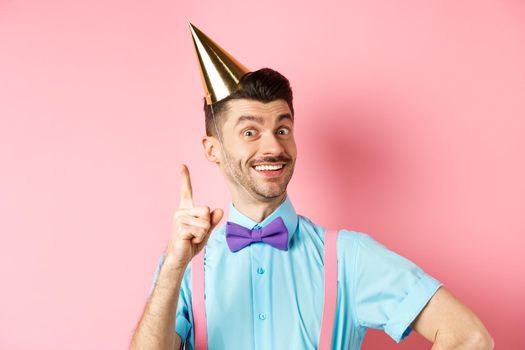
x,y
269,170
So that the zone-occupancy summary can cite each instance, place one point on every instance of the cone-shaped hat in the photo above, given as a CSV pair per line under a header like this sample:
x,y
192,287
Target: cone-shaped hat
x,y
220,72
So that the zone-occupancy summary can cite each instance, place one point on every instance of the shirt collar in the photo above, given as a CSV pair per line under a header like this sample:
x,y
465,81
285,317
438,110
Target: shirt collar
x,y
285,210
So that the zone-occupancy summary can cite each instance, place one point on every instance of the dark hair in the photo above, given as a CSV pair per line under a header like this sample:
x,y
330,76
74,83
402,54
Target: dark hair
x,y
264,85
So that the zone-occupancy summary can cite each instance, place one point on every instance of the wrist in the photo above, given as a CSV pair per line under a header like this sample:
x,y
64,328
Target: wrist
x,y
174,264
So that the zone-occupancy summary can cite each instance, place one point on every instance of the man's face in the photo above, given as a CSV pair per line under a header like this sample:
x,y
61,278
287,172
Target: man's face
x,y
259,147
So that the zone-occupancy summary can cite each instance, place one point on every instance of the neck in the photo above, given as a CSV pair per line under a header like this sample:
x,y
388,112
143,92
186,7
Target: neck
x,y
257,210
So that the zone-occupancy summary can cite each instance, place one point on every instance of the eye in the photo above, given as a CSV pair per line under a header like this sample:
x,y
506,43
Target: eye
x,y
249,132
283,131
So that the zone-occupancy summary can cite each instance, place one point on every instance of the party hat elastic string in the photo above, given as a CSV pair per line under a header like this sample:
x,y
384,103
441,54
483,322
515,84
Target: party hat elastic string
x,y
223,150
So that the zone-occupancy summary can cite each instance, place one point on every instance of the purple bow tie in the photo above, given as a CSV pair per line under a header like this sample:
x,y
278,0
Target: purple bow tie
x,y
275,234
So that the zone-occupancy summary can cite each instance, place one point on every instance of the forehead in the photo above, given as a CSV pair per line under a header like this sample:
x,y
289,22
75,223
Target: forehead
x,y
268,110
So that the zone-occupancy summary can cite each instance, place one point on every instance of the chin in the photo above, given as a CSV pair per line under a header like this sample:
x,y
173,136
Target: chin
x,y
271,194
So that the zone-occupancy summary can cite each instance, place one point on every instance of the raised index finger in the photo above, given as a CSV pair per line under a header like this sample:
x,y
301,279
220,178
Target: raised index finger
x,y
186,195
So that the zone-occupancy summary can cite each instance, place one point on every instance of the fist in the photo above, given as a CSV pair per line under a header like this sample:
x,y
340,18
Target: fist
x,y
191,226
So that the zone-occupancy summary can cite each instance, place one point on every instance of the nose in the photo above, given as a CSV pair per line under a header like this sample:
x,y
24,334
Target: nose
x,y
270,144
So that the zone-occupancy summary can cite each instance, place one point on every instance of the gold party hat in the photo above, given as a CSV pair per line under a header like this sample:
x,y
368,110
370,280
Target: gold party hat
x,y
220,72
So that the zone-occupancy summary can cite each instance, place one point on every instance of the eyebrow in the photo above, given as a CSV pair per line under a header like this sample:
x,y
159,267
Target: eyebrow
x,y
260,120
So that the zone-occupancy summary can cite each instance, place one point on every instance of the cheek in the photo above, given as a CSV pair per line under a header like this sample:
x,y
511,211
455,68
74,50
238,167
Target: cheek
x,y
291,148
242,155
246,151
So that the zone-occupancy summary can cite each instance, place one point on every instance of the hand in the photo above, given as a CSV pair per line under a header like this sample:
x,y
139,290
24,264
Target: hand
x,y
191,227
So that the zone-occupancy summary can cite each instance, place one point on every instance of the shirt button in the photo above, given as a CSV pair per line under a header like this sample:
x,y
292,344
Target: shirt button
x,y
262,316
260,270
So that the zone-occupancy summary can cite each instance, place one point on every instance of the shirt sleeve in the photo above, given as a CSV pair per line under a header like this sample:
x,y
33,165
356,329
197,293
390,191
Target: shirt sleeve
x,y
389,290
183,318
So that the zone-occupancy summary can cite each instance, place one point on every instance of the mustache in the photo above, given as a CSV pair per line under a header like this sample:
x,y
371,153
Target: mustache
x,y
271,160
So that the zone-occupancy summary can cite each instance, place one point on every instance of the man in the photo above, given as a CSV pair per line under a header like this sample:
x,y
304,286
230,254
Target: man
x,y
265,294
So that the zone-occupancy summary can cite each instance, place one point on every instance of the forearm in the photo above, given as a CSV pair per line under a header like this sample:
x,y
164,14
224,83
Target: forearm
x,y
156,328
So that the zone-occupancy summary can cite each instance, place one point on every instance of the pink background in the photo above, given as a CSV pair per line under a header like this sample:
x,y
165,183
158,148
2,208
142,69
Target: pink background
x,y
410,124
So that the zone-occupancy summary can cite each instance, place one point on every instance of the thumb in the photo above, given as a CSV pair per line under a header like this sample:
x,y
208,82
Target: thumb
x,y
216,217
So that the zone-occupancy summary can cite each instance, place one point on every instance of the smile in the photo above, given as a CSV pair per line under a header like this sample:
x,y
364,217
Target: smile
x,y
269,170
268,167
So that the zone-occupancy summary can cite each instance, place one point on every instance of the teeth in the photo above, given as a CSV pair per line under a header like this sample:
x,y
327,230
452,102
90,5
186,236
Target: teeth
x,y
268,167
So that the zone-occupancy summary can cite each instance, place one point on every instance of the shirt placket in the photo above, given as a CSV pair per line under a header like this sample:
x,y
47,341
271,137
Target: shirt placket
x,y
261,295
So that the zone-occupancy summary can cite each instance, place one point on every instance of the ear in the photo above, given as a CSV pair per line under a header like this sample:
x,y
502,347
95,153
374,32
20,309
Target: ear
x,y
211,149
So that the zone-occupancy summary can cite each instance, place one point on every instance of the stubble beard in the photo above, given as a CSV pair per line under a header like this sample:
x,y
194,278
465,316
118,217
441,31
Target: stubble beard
x,y
266,190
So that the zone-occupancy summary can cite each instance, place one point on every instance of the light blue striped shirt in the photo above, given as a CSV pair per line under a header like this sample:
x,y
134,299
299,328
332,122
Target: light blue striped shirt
x,y
264,298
